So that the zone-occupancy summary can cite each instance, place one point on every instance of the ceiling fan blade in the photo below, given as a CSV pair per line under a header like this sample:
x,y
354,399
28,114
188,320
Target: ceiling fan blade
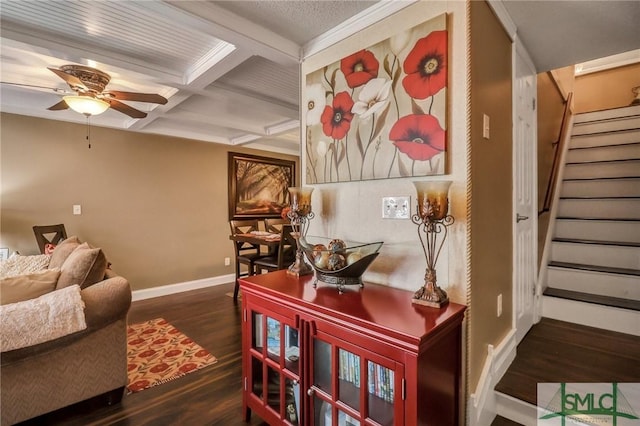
x,y
59,106
71,80
138,97
126,109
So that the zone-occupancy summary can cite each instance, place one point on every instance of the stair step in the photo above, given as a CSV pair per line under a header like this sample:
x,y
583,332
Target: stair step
x,y
603,153
586,280
604,169
595,268
591,314
604,255
600,230
502,421
603,139
618,208
606,125
599,299
604,243
607,114
623,187
519,411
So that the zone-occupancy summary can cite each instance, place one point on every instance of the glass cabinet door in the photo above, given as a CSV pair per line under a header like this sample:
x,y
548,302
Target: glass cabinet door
x,y
274,376
352,386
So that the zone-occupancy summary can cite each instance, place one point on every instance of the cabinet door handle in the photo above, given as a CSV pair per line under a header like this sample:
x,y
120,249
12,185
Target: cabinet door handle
x,y
310,391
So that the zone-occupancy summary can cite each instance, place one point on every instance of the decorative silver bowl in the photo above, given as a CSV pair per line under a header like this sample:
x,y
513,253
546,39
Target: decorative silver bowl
x,y
339,262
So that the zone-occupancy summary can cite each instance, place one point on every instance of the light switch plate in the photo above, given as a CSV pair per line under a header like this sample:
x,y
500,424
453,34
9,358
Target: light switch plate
x,y
395,207
77,209
486,126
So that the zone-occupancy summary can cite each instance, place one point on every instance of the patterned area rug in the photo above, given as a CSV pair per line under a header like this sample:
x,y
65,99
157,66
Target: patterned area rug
x,y
158,352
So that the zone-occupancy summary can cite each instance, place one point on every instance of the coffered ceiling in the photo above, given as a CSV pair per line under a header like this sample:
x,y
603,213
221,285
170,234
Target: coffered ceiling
x,y
230,69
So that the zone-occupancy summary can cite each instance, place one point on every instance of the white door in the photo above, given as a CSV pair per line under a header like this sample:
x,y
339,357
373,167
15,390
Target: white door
x,y
525,220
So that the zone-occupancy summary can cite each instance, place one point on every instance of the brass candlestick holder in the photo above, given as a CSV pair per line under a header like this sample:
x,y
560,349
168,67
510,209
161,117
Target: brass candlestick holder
x,y
300,214
433,222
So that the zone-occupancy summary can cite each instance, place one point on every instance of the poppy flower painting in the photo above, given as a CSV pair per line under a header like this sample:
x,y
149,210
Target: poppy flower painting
x,y
380,112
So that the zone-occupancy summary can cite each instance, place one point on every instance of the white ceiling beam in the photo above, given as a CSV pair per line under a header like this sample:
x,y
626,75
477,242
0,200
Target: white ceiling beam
x,y
234,29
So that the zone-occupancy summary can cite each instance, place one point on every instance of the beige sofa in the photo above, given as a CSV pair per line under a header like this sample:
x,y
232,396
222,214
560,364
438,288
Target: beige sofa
x,y
53,374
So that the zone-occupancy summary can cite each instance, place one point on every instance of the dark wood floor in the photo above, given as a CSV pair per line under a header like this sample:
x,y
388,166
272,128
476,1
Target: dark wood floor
x,y
557,351
211,396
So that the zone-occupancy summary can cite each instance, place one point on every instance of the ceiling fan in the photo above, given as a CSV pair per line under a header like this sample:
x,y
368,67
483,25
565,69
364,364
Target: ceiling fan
x,y
91,98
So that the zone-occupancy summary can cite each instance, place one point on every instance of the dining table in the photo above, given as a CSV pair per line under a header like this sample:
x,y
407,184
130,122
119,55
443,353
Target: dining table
x,y
260,238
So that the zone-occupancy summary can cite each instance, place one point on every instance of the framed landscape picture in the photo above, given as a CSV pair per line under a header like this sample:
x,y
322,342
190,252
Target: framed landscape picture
x,y
258,186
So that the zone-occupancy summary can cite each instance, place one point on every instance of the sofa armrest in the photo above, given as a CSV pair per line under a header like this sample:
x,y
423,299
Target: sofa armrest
x,y
106,301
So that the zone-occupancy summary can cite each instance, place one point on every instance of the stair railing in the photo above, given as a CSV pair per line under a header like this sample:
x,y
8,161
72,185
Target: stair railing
x,y
559,145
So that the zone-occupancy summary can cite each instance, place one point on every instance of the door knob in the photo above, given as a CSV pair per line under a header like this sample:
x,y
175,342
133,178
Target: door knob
x,y
520,217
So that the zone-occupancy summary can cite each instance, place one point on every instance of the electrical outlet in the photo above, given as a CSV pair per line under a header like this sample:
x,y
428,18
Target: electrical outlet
x,y
499,312
395,207
227,261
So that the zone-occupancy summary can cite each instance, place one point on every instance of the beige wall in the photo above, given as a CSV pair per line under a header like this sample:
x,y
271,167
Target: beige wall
x,y
491,177
157,205
550,111
606,89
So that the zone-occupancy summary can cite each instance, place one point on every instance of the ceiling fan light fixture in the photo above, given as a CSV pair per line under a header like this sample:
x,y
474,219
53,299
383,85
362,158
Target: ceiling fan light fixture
x,y
86,105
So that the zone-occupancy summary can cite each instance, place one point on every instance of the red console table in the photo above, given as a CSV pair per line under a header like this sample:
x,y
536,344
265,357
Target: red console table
x,y
369,356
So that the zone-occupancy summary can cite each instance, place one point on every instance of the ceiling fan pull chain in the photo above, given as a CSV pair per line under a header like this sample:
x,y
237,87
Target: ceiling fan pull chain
x,y
88,132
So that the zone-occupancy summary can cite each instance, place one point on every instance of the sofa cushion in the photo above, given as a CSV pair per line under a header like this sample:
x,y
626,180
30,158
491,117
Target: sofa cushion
x,y
21,265
62,251
30,286
84,266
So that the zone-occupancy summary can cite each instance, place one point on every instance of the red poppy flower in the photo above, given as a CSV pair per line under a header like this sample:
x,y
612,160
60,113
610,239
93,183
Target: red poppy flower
x,y
426,66
418,136
159,367
202,353
147,353
359,68
336,120
172,353
139,385
187,367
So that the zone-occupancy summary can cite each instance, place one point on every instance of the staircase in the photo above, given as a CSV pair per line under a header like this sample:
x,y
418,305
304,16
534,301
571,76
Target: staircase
x,y
593,277
593,274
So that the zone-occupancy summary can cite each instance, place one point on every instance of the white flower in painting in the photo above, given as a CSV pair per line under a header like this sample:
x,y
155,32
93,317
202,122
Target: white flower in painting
x,y
373,98
399,41
316,102
321,149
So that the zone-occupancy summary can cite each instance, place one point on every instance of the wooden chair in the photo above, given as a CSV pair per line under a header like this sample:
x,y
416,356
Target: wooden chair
x,y
49,234
285,256
275,224
245,253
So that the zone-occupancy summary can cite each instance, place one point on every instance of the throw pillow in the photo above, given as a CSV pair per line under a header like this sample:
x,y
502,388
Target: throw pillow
x,y
62,251
84,266
22,265
25,287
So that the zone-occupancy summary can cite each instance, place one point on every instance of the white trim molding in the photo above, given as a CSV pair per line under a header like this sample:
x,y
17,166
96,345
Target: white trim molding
x,y
482,404
505,19
614,61
165,290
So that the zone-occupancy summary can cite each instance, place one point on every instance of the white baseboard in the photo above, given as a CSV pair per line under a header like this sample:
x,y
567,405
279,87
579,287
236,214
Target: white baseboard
x,y
482,403
148,293
516,410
